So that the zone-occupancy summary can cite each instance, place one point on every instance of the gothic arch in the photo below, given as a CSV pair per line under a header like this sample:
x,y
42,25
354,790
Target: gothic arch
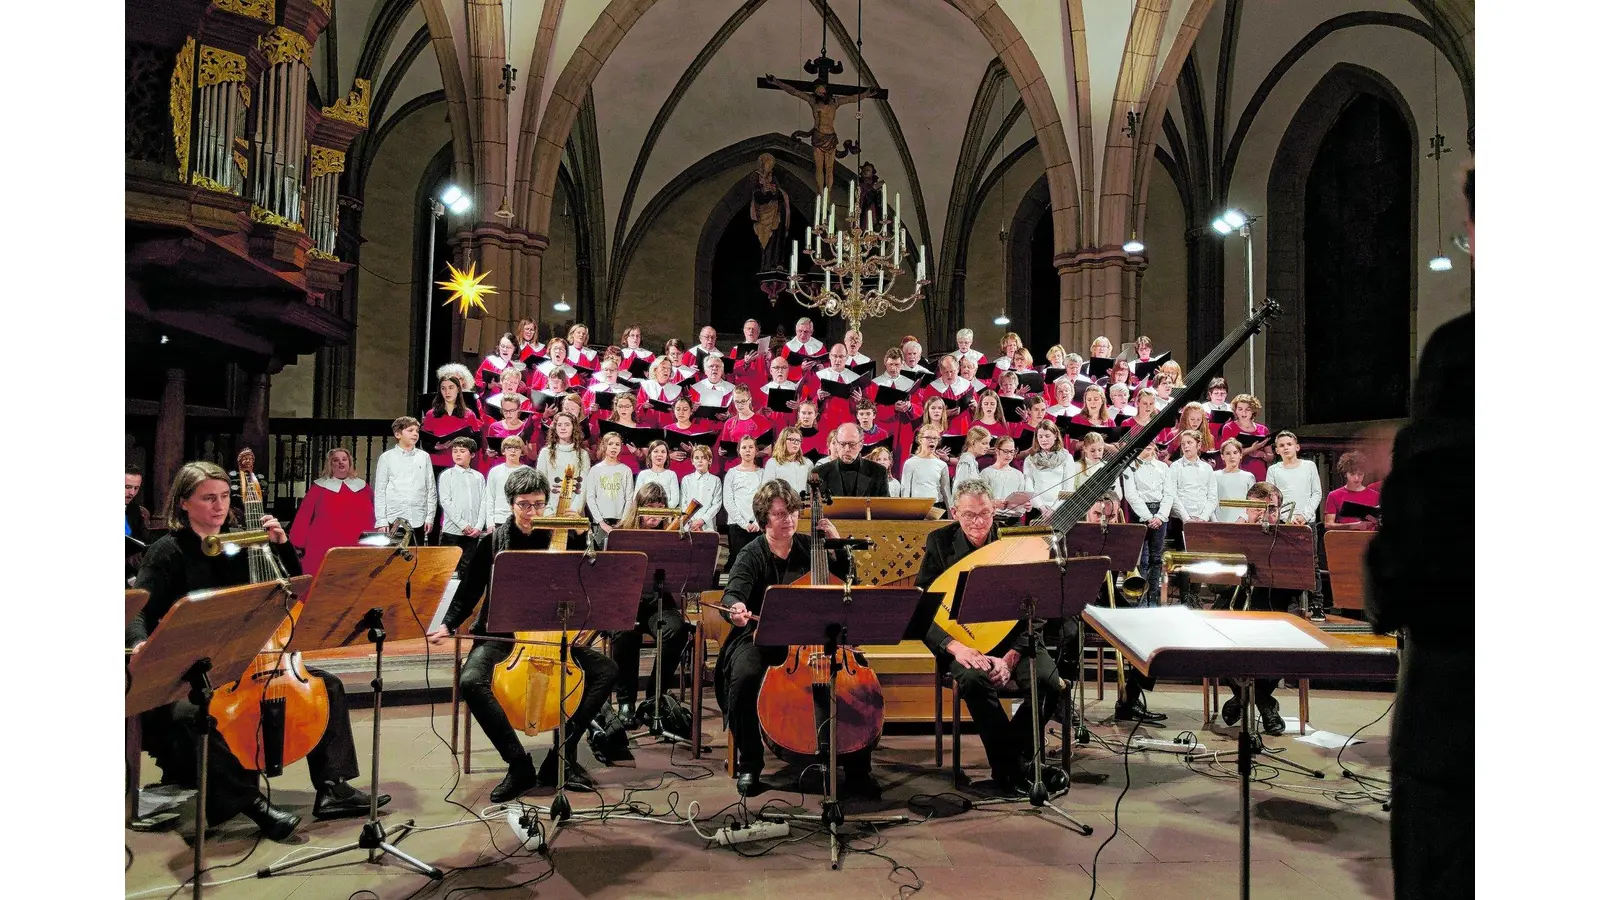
x,y
1034,209
1286,216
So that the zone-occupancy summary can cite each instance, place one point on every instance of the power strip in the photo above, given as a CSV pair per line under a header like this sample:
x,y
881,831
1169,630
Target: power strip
x,y
755,831
1168,746
533,838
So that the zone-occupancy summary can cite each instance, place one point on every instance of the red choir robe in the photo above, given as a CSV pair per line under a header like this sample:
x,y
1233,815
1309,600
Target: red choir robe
x,y
1255,465
705,392
444,429
531,355
686,374
629,355
591,406
585,359
677,436
489,371
653,395
539,378
833,411
736,429
952,394
528,430
746,366
891,419
334,513
876,437
784,417
798,354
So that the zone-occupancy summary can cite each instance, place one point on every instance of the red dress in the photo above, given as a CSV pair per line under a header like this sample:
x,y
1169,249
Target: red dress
x,y
676,436
1255,465
444,429
736,429
333,514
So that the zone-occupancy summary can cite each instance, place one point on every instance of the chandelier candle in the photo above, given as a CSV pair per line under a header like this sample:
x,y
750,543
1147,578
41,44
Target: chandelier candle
x,y
866,248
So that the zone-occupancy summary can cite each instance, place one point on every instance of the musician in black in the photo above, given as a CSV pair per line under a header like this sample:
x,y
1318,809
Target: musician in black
x,y
1261,599
1130,705
847,474
778,556
1007,740
527,491
197,506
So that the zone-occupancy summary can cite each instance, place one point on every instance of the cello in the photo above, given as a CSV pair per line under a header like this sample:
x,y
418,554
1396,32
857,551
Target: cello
x,y
793,702
528,682
276,712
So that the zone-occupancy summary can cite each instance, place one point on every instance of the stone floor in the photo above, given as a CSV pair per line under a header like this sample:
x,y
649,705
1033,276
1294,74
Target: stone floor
x,y
1178,835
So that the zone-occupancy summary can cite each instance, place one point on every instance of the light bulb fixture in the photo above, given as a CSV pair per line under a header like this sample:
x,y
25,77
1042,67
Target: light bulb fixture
x,y
457,200
1436,152
504,212
1133,244
1002,319
562,305
1230,221
1441,263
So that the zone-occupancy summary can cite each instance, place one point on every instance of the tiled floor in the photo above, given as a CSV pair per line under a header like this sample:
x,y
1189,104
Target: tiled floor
x,y
1178,833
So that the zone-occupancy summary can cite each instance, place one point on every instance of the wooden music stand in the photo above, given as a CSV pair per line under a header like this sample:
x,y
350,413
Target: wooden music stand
x,y
1123,544
372,593
1033,592
205,636
833,617
878,508
132,602
1178,642
537,590
1346,559
685,559
1280,556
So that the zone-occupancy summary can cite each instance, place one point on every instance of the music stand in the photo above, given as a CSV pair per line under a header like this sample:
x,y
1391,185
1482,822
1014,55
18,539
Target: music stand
x,y
1056,590
1123,544
132,602
372,593
207,633
877,508
1178,642
540,590
832,617
687,559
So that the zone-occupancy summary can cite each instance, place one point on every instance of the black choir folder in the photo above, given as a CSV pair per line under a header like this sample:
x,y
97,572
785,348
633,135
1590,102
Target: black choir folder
x,y
840,389
1099,366
632,434
1144,370
1353,510
1078,431
889,396
639,368
778,399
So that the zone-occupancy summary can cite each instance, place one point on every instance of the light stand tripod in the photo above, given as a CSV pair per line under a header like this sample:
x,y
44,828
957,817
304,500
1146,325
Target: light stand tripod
x,y
200,696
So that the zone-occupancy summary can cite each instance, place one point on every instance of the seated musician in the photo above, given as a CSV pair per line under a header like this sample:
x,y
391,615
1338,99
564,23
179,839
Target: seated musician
x,y
674,630
527,490
847,474
777,556
1274,599
1130,704
1007,740
197,507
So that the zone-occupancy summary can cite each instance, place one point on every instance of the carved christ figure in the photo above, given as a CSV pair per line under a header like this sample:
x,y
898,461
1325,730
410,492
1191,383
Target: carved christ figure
x,y
824,108
769,211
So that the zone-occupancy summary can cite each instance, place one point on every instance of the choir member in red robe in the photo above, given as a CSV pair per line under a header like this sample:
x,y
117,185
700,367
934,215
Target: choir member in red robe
x,y
1335,515
1246,409
872,434
833,409
747,364
684,370
858,362
449,417
745,422
964,349
513,422
658,393
608,381
530,350
950,388
679,434
813,440
337,508
539,380
895,417
707,348
504,357
783,414
580,355
633,349
803,350
713,391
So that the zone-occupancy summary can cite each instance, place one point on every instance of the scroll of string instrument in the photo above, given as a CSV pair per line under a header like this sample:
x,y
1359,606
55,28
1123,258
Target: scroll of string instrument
x,y
276,713
793,703
528,682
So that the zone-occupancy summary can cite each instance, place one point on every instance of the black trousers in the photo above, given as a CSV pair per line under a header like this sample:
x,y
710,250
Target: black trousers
x,y
1155,544
599,674
1008,740
737,538
746,665
1430,836
625,647
170,733
1263,599
468,545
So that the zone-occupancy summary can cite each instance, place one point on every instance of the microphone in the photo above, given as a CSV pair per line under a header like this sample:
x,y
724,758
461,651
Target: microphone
x,y
848,544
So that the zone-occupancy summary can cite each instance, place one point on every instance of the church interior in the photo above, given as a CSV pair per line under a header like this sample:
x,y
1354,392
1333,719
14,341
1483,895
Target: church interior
x,y
388,247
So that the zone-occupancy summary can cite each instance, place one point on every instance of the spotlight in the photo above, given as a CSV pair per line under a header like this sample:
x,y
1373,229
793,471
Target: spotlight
x,y
1441,263
562,305
165,339
456,199
1002,319
1234,218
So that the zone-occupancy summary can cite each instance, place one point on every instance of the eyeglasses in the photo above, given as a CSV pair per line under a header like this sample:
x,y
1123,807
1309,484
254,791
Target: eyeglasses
x,y
529,506
974,516
848,443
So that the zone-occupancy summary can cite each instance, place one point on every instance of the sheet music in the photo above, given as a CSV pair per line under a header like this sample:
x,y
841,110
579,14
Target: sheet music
x,y
1148,630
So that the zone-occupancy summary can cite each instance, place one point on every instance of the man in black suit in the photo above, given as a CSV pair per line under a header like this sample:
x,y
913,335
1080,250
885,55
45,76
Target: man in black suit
x,y
847,474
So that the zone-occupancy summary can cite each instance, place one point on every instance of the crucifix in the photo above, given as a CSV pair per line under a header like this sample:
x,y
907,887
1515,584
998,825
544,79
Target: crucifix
x,y
825,100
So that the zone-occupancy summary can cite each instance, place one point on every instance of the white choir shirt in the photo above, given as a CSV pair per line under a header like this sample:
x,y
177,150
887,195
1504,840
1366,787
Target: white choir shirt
x,y
707,488
1232,486
899,382
894,486
1300,485
607,488
549,365
1149,485
828,374
810,348
1064,409
738,489
966,468
704,393
793,473
1163,404
926,477
654,390
860,359
588,356
975,355
668,480
1129,411
496,509
403,488
461,499
1048,483
566,455
950,390
1003,481
1194,489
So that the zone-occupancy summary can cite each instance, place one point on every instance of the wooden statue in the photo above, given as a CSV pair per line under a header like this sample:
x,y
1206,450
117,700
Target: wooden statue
x,y
769,211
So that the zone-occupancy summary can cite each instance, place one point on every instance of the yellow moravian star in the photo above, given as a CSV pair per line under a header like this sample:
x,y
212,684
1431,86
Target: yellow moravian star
x,y
467,288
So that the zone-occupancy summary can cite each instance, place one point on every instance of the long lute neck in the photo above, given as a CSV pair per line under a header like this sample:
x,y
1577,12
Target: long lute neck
x,y
1077,504
254,511
819,554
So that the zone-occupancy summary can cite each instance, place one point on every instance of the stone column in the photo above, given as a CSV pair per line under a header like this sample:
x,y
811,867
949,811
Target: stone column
x,y
168,453
1097,296
254,432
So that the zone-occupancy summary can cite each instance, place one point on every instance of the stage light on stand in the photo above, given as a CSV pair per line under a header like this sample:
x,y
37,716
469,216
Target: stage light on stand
x,y
456,199
1230,221
1441,263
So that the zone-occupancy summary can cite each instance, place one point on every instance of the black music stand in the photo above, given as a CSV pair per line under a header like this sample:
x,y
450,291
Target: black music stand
x,y
1033,592
205,636
832,617
372,594
687,559
537,590
1123,544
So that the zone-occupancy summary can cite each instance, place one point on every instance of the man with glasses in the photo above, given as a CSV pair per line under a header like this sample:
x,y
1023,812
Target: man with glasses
x,y
1007,740
847,474
526,490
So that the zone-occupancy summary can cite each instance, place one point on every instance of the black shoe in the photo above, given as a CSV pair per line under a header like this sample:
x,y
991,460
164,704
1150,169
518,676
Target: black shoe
x,y
521,778
1055,778
1271,722
340,800
1137,711
1231,711
748,783
859,785
277,824
577,776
